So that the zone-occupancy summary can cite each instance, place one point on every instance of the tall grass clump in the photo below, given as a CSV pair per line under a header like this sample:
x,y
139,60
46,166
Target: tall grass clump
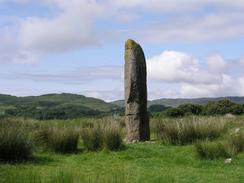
x,y
214,150
92,138
236,140
60,140
187,130
64,140
15,141
104,135
112,137
228,147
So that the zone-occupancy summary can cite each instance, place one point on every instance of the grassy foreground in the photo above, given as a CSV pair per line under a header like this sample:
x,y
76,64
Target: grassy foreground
x,y
143,162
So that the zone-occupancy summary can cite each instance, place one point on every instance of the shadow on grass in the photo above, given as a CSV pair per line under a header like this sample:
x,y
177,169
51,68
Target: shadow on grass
x,y
34,160
41,160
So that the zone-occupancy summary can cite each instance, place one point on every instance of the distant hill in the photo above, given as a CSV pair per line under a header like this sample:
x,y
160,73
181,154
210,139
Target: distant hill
x,y
50,106
69,106
119,103
178,101
50,100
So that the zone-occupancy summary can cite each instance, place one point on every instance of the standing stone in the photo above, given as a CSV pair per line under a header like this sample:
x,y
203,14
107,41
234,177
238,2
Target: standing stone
x,y
136,116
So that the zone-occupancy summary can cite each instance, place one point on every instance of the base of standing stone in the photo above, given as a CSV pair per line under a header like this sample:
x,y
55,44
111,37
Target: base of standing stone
x,y
137,127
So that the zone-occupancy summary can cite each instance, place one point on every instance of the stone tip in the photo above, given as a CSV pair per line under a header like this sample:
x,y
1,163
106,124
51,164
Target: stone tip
x,y
130,44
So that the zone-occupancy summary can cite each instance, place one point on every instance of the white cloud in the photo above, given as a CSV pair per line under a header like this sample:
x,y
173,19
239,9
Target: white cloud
x,y
175,5
10,51
71,28
76,23
209,27
217,64
77,76
191,77
171,66
227,87
72,23
241,85
26,39
108,95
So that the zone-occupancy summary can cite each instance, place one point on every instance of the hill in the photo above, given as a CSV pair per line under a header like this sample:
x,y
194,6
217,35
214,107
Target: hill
x,y
69,106
57,99
50,106
70,99
178,101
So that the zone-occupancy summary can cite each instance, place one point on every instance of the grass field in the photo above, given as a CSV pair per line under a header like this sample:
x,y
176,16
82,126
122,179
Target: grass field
x,y
142,162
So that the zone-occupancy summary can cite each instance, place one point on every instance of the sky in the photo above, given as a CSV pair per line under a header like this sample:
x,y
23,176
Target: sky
x,y
192,48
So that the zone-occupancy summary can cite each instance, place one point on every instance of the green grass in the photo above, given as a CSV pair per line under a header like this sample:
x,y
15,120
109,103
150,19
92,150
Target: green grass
x,y
15,141
189,129
215,150
62,140
144,162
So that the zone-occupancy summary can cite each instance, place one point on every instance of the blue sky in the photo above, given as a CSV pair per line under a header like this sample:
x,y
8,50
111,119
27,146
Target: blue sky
x,y
193,48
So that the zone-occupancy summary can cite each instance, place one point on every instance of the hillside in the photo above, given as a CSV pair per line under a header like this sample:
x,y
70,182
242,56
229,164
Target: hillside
x,y
69,106
51,100
61,106
202,101
176,102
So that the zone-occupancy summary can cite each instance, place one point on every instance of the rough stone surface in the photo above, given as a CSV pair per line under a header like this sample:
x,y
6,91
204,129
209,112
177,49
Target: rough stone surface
x,y
136,116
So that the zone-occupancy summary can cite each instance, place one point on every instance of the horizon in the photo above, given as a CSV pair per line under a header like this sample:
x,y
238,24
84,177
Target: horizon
x,y
193,49
109,101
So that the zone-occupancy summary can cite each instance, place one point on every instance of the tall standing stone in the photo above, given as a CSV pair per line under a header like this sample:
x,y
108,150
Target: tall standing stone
x,y
136,116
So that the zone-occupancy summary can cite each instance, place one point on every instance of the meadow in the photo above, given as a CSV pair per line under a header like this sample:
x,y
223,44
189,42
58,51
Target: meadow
x,y
188,149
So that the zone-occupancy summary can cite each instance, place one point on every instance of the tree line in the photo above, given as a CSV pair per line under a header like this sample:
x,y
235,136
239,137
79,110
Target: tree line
x,y
220,107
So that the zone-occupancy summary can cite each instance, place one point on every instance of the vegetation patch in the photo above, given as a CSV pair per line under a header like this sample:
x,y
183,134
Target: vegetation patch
x,y
211,108
103,136
15,141
214,150
60,140
187,130
92,138
112,138
228,147
213,137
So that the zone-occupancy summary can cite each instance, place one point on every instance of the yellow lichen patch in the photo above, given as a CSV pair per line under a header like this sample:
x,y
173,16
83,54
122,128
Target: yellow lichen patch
x,y
130,44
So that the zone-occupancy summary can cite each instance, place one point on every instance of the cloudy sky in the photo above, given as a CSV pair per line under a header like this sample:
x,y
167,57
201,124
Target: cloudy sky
x,y
193,48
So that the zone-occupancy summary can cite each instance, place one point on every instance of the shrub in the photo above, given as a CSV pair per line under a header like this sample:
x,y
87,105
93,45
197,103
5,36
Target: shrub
x,y
157,108
214,150
236,140
229,147
15,142
59,140
174,112
189,109
104,135
237,109
42,135
221,107
112,138
188,130
64,140
92,138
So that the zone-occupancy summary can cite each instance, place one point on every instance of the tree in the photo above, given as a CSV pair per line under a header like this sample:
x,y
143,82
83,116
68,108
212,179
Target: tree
x,y
189,109
157,108
174,112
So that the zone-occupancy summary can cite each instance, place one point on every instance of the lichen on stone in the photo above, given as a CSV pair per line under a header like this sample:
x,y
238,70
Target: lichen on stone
x,y
130,44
